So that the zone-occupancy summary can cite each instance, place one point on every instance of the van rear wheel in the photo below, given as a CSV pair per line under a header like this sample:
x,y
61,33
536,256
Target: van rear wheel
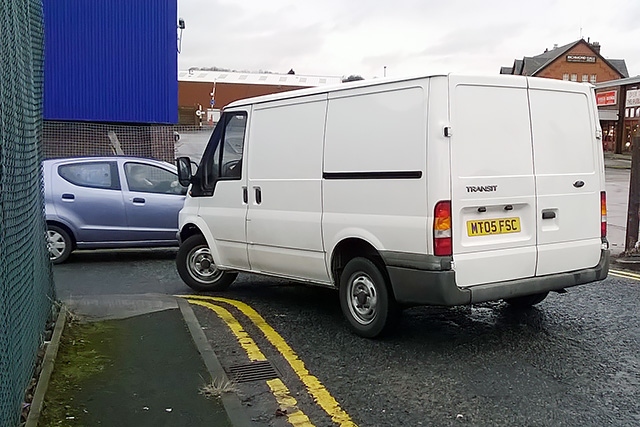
x,y
365,299
527,300
197,267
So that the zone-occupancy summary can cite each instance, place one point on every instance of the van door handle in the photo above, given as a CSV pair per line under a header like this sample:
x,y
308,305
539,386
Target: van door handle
x,y
258,195
548,215
482,209
508,208
578,184
245,195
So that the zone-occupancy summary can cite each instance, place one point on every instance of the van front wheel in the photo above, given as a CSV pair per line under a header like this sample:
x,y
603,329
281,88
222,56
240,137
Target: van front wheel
x,y
365,299
197,267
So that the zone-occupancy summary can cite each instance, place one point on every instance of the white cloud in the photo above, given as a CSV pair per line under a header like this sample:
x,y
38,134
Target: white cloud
x,y
332,37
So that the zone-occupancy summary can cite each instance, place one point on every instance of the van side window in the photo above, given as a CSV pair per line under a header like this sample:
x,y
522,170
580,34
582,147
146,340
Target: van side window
x,y
232,147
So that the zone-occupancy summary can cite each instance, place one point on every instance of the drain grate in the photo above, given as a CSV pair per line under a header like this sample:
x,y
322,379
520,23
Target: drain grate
x,y
254,371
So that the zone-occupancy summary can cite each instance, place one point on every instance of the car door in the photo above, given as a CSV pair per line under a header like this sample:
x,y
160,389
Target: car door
x,y
87,196
152,199
284,220
492,183
225,211
566,149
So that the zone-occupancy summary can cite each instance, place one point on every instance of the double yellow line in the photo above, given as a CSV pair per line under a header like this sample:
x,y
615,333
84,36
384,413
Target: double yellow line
x,y
314,387
624,274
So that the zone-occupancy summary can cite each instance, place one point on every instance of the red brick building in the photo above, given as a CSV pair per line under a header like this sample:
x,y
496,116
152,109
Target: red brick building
x,y
210,91
579,61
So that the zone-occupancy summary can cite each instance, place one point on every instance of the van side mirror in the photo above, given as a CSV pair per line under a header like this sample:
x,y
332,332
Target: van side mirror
x,y
184,171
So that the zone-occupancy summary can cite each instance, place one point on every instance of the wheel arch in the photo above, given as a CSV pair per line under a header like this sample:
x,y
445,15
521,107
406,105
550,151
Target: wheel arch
x,y
354,247
197,225
66,228
189,230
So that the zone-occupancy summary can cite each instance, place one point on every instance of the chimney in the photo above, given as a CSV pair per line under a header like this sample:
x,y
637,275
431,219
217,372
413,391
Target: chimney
x,y
555,46
596,47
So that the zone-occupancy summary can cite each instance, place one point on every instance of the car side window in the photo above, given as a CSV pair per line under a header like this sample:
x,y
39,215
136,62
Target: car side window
x,y
232,147
152,179
91,174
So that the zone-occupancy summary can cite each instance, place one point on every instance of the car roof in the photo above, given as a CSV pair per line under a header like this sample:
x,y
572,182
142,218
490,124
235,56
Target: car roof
x,y
105,158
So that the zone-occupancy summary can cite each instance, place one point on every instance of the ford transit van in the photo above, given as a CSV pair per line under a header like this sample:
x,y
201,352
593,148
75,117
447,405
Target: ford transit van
x,y
438,190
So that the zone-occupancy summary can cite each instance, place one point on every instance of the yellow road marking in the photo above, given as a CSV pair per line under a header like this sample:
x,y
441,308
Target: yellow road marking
x,y
247,343
624,274
295,416
320,394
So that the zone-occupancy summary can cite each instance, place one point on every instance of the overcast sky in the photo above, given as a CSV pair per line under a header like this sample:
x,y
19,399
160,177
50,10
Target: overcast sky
x,y
409,37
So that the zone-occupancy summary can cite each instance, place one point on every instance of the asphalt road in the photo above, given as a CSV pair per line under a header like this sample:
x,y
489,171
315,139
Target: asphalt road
x,y
574,361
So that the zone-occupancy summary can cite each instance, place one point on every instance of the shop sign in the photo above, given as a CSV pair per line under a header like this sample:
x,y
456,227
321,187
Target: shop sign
x,y
633,98
607,98
581,58
632,113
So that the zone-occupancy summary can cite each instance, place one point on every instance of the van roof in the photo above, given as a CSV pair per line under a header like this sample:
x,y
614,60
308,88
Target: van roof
x,y
494,79
325,89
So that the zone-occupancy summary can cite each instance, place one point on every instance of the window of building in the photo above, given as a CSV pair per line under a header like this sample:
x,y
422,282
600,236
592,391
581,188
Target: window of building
x,y
585,78
574,77
565,76
593,78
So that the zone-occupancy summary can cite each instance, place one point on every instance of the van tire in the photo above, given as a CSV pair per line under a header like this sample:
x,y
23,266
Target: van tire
x,y
59,244
527,300
365,299
197,269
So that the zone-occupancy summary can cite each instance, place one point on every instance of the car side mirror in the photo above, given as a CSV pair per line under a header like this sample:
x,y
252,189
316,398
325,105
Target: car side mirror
x,y
184,171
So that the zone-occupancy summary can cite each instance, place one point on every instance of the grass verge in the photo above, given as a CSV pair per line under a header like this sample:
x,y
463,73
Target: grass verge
x,y
86,349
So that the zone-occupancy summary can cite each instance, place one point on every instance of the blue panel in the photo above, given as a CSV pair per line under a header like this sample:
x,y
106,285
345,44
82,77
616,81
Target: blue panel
x,y
111,60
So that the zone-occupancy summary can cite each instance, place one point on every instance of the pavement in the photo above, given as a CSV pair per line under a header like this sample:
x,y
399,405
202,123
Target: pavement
x,y
164,360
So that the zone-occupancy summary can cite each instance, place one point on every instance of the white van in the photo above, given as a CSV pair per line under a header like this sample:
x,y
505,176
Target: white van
x,y
442,190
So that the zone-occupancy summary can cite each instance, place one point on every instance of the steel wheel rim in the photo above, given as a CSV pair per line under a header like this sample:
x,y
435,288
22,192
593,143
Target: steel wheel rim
x,y
363,299
202,267
55,244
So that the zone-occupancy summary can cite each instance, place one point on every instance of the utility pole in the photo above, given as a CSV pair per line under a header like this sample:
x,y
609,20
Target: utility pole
x,y
633,209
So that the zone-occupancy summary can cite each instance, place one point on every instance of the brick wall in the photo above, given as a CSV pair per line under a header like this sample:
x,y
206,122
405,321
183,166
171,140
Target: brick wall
x,y
560,66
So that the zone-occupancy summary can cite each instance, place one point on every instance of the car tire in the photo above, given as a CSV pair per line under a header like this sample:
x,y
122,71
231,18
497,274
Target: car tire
x,y
197,267
365,298
527,300
59,244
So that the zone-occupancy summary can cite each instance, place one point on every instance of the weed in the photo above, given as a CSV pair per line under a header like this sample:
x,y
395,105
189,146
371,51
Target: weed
x,y
217,387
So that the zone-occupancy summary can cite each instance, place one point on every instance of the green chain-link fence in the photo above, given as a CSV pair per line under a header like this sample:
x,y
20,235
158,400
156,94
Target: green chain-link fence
x,y
26,285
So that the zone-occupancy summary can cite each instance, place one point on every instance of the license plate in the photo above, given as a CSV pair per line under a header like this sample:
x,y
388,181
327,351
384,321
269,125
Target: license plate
x,y
485,227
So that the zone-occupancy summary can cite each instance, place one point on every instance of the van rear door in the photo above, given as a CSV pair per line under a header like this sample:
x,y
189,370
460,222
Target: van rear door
x,y
493,200
568,175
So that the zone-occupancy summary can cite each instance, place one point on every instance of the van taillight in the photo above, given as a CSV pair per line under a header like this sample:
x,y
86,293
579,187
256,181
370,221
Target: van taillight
x,y
442,229
603,214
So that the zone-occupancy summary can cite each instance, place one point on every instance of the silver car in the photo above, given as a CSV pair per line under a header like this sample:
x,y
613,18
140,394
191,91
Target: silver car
x,y
110,202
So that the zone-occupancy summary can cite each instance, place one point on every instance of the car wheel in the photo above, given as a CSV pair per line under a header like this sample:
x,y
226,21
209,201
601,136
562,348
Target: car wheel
x,y
59,244
365,299
527,300
197,267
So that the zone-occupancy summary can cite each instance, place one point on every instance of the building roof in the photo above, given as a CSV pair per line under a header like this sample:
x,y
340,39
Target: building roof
x,y
619,82
531,65
256,78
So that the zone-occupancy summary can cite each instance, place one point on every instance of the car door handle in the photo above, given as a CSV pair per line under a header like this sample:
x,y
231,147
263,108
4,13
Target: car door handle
x,y
138,200
68,196
258,195
548,215
578,184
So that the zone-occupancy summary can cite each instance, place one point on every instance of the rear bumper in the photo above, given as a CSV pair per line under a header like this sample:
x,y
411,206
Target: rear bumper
x,y
426,280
